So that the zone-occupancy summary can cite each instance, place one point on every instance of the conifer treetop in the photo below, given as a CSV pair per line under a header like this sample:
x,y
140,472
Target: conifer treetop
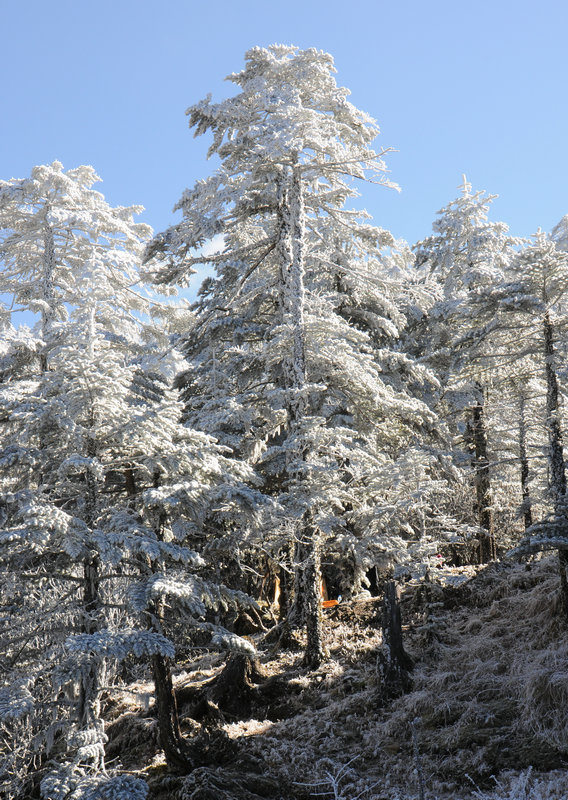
x,y
466,250
58,235
289,114
291,104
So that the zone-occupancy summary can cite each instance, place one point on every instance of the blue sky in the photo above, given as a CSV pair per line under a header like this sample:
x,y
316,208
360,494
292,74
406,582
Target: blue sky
x,y
456,87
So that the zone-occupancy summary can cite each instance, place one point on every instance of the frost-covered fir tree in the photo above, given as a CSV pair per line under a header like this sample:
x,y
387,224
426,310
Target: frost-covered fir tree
x,y
531,307
284,364
466,253
65,253
559,234
103,485
417,479
54,223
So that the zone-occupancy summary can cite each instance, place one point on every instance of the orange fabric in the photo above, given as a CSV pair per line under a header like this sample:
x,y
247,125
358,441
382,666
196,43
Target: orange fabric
x,y
329,603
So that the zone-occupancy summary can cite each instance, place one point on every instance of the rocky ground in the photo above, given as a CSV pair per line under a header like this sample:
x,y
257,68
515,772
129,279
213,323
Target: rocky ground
x,y
487,716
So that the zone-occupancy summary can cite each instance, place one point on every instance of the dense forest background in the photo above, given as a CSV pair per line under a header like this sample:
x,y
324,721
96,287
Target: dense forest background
x,y
214,515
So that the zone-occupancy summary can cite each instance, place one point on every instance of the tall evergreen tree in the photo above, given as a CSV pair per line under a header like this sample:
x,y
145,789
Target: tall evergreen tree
x,y
104,483
534,300
283,370
465,253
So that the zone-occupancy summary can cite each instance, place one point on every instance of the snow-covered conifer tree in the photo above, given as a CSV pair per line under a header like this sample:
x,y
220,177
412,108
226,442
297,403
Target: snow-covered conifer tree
x,y
466,253
104,482
67,256
533,303
283,363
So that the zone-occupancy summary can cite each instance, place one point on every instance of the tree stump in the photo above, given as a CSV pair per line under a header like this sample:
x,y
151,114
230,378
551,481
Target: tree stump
x,y
234,690
393,662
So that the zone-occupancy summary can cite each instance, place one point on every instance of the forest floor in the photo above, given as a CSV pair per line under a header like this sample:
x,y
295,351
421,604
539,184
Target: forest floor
x,y
488,705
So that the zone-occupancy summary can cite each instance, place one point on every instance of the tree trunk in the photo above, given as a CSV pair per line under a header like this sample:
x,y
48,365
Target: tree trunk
x,y
48,295
292,300
309,594
171,739
557,478
234,689
175,748
130,485
91,679
563,567
393,662
524,461
487,548
285,582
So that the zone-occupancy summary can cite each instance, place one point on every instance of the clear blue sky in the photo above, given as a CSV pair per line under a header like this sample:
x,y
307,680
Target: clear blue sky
x,y
456,87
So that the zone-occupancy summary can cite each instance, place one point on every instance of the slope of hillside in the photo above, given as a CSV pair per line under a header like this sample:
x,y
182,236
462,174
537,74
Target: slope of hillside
x,y
488,706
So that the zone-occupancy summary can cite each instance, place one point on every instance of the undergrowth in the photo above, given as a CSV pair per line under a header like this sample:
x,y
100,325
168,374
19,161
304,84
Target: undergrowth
x,y
489,705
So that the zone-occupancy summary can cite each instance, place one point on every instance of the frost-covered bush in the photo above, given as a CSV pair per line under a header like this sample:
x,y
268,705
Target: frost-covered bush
x,y
339,782
73,784
527,785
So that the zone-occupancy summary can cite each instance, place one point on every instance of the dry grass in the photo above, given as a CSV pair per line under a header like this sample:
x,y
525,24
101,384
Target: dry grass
x,y
490,698
490,692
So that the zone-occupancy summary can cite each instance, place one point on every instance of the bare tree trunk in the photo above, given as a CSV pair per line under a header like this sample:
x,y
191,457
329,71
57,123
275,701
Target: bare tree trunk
x,y
285,582
130,484
557,467
487,547
48,295
315,651
292,297
393,662
175,747
89,699
523,457
307,603
555,449
283,594
171,739
173,744
91,680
